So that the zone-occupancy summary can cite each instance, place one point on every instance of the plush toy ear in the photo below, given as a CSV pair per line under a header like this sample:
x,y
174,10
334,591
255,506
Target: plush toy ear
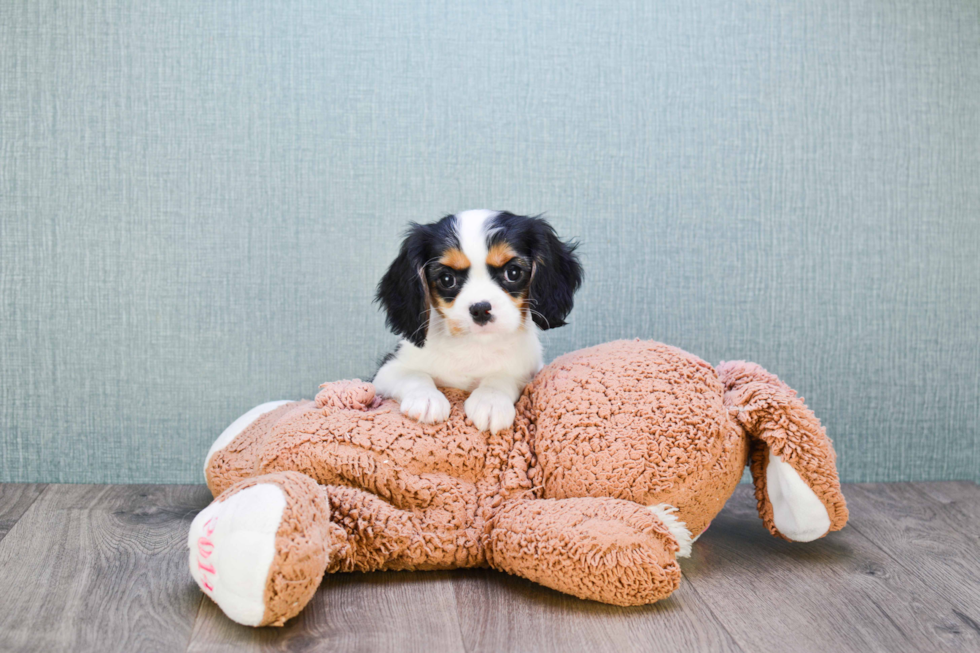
x,y
402,291
555,276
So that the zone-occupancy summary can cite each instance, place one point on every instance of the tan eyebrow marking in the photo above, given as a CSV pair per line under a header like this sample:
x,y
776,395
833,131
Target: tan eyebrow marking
x,y
499,254
455,258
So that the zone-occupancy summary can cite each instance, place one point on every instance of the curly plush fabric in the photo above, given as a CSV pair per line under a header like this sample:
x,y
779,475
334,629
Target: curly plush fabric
x,y
305,542
612,551
641,421
779,423
619,454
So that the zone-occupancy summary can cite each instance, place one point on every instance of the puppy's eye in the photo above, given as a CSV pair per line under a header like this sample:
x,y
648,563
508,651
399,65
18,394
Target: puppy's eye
x,y
447,280
513,274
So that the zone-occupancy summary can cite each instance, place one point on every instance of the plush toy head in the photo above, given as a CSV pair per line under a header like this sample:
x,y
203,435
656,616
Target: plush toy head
x,y
620,456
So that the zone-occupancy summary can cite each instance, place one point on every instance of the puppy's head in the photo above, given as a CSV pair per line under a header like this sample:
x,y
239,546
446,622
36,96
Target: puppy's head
x,y
479,273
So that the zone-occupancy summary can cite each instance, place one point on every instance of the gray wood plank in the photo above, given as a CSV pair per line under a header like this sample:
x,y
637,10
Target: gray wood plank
x,y
961,498
498,612
967,491
15,499
840,593
935,541
100,568
391,611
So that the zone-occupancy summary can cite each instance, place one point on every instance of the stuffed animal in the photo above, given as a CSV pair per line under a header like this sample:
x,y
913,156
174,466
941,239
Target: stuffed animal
x,y
620,456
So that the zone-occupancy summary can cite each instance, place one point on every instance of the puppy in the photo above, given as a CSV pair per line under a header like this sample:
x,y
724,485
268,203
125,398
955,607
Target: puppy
x,y
468,295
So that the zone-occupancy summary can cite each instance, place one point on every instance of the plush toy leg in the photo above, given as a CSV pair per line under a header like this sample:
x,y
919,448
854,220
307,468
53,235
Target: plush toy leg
x,y
791,458
383,536
234,455
238,451
260,549
600,549
239,425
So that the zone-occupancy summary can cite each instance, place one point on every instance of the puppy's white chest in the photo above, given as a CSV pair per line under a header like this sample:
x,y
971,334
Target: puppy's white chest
x,y
464,364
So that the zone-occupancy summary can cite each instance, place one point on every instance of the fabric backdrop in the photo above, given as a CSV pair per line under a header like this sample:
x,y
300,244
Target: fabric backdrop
x,y
197,199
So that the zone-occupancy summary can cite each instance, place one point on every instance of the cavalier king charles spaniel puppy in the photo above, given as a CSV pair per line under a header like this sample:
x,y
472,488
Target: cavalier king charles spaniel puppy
x,y
468,295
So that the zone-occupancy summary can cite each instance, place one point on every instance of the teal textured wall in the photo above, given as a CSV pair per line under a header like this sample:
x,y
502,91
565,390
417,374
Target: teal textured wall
x,y
196,200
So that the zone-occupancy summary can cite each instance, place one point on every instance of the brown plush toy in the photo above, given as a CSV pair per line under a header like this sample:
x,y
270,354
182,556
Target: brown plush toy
x,y
620,456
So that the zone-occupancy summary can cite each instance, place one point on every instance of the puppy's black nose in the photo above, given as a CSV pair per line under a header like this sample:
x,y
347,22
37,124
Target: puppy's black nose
x,y
481,312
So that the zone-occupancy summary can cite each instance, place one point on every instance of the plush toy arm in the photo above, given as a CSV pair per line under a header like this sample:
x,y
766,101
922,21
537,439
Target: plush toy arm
x,y
791,458
238,451
347,395
600,549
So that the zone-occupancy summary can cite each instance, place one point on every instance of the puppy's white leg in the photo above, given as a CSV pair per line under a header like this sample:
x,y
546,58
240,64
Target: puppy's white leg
x,y
415,391
491,405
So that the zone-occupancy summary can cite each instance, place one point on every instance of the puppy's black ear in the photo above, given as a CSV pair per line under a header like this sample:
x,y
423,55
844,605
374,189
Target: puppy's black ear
x,y
402,291
555,277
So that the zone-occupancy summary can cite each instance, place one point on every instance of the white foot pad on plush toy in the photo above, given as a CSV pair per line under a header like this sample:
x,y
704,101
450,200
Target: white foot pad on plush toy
x,y
232,546
796,510
677,528
240,425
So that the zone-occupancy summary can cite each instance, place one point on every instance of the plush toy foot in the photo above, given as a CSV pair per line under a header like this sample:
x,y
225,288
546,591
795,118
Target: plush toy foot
x,y
261,548
797,512
792,460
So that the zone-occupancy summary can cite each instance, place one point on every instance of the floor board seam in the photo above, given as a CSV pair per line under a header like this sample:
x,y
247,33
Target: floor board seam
x,y
26,510
707,605
197,618
459,627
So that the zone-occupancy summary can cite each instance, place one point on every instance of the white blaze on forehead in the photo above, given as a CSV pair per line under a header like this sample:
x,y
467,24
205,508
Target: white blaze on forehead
x,y
471,228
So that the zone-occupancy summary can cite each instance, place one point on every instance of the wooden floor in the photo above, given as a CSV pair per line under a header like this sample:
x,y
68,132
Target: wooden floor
x,y
104,568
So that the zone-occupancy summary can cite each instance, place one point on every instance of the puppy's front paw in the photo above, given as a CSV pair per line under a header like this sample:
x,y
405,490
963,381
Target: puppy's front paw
x,y
428,406
490,409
